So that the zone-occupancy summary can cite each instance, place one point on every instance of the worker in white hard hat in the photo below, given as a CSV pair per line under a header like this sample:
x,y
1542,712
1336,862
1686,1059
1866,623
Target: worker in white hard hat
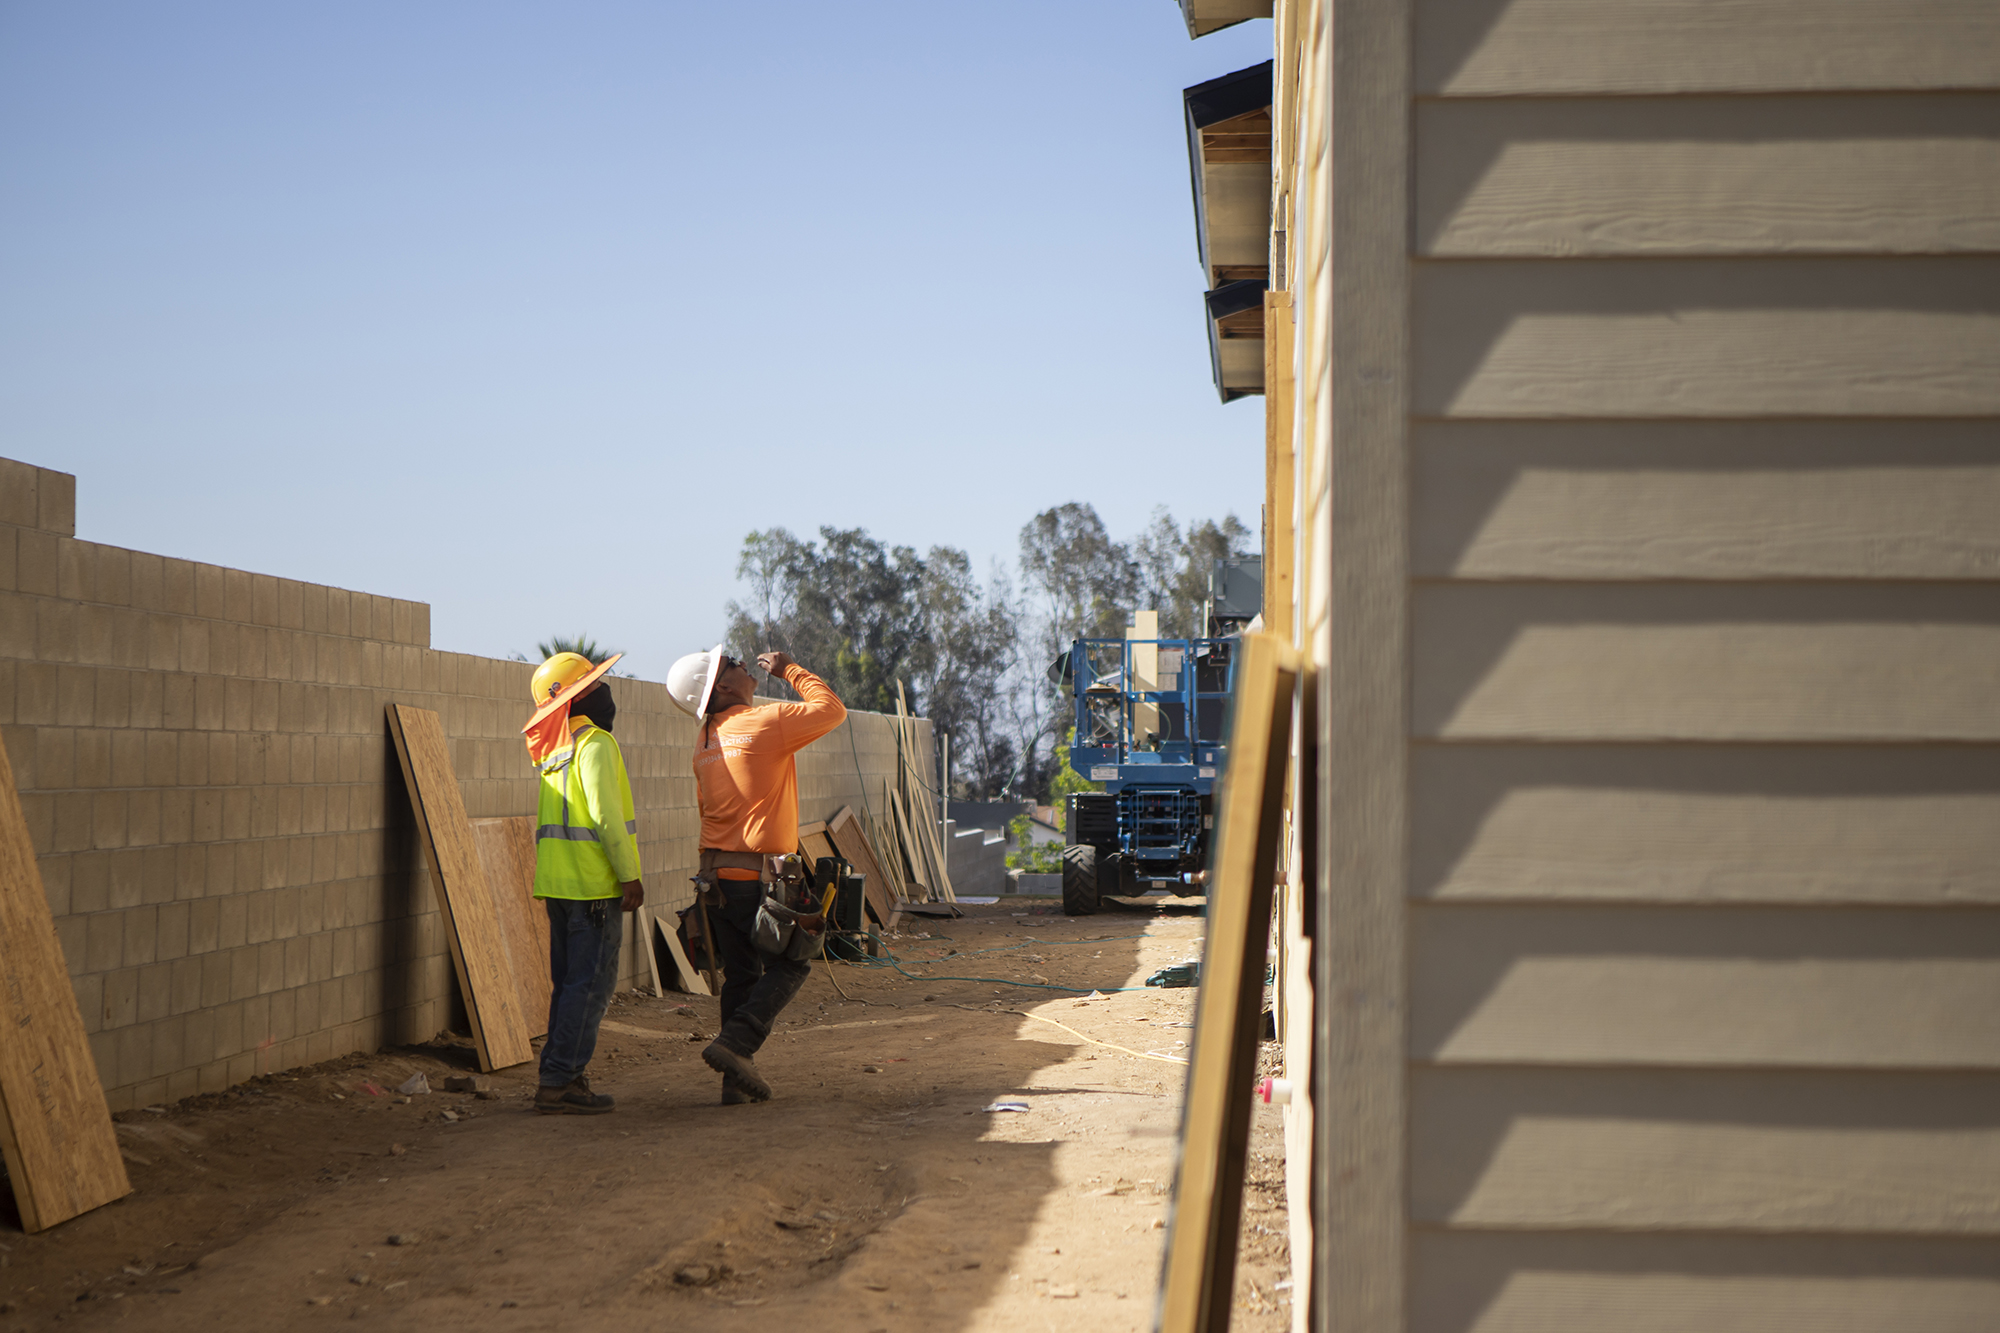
x,y
747,785
586,867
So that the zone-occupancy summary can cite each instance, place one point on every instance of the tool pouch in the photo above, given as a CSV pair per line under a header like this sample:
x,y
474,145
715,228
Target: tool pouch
x,y
778,934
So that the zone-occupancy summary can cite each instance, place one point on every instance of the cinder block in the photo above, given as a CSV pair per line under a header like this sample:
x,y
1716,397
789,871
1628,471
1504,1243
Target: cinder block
x,y
156,991
35,693
158,876
181,1085
55,630
223,747
242,1068
191,760
253,759
148,692
56,501
248,868
238,696
420,624
114,575
142,925
186,984
97,635
169,1055
177,702
19,504
107,817
264,812
236,813
210,601
402,623
76,571
265,715
194,647
128,756
135,1056
217,971
232,927
258,913
291,801
238,601
38,562
283,1017
176,817
128,880
270,966
319,956
104,1054
312,810
243,972
229,1030
253,652
208,701
149,590
9,560
72,823
76,695
297,965
93,757
306,1007
343,951
52,763
225,651
17,623
55,874
298,860
263,599
205,925
90,881
256,1022
305,656
171,927
142,818
121,997
214,1076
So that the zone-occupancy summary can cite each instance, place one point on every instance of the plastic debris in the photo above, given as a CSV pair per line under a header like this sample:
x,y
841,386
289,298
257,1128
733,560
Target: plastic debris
x,y
1176,975
997,1107
414,1086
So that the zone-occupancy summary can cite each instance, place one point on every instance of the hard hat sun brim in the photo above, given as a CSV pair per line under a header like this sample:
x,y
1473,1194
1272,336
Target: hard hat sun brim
x,y
708,686
576,688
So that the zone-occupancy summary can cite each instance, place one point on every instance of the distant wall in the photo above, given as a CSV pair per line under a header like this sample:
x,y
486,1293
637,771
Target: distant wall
x,y
220,820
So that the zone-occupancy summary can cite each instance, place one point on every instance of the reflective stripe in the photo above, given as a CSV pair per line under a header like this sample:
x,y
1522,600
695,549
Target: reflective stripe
x,y
566,833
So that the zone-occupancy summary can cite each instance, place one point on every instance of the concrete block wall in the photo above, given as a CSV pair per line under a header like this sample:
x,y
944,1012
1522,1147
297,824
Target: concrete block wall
x,y
219,817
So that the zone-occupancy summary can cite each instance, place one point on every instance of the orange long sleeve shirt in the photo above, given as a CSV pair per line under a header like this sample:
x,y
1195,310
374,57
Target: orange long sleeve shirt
x,y
743,769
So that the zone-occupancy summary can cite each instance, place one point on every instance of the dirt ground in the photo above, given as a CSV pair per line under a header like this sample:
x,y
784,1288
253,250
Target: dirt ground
x,y
875,1192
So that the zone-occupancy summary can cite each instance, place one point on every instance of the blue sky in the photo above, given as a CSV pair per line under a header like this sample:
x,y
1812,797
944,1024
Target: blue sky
x,y
532,311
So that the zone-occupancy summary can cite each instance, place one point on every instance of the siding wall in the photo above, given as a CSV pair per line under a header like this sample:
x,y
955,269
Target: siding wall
x,y
219,817
1649,543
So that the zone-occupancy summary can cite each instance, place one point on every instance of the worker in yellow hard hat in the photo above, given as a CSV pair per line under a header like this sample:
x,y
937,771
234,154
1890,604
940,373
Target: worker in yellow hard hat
x,y
586,864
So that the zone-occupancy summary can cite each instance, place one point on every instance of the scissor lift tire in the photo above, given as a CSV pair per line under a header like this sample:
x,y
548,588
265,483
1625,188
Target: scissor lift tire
x,y
1079,880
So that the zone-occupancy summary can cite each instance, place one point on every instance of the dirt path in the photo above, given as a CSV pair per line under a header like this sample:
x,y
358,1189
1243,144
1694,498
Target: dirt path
x,y
874,1193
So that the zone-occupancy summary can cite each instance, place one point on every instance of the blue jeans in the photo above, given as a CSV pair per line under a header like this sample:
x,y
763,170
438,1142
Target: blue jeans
x,y
755,986
583,971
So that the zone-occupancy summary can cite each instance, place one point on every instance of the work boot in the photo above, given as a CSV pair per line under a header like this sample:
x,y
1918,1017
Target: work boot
x,y
737,1069
572,1098
731,1095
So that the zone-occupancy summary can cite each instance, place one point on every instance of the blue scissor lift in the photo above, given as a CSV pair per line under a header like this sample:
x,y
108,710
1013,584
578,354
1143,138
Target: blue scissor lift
x,y
1157,752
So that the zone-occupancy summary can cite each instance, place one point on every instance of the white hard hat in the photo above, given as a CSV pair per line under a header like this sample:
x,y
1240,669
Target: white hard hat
x,y
692,679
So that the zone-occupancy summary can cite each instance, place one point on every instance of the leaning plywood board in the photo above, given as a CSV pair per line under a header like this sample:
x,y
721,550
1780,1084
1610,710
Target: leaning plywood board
x,y
851,841
479,952
507,853
1198,1277
55,1130
686,977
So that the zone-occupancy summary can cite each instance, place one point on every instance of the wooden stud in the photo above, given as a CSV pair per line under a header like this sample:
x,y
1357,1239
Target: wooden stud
x,y
1200,1270
55,1128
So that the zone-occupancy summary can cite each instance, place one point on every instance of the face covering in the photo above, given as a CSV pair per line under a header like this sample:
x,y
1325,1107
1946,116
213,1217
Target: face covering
x,y
598,706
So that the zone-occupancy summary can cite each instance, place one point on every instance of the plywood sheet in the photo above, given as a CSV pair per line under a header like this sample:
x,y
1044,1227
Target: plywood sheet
x,y
1823,987
1198,1278
1881,824
1706,499
1618,338
1708,176
507,854
1832,1152
1481,48
844,831
480,953
55,1129
1507,1282
1751,662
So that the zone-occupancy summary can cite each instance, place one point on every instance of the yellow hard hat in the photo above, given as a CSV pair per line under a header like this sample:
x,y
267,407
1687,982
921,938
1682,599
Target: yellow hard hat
x,y
556,675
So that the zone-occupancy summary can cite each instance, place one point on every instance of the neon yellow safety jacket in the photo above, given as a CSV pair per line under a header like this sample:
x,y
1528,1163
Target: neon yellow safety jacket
x,y
586,839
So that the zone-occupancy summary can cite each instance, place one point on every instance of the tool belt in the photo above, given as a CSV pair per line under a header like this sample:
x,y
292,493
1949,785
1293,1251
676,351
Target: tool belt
x,y
777,930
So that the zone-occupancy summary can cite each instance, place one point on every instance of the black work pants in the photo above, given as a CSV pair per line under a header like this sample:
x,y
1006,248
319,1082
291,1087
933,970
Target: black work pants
x,y
756,986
